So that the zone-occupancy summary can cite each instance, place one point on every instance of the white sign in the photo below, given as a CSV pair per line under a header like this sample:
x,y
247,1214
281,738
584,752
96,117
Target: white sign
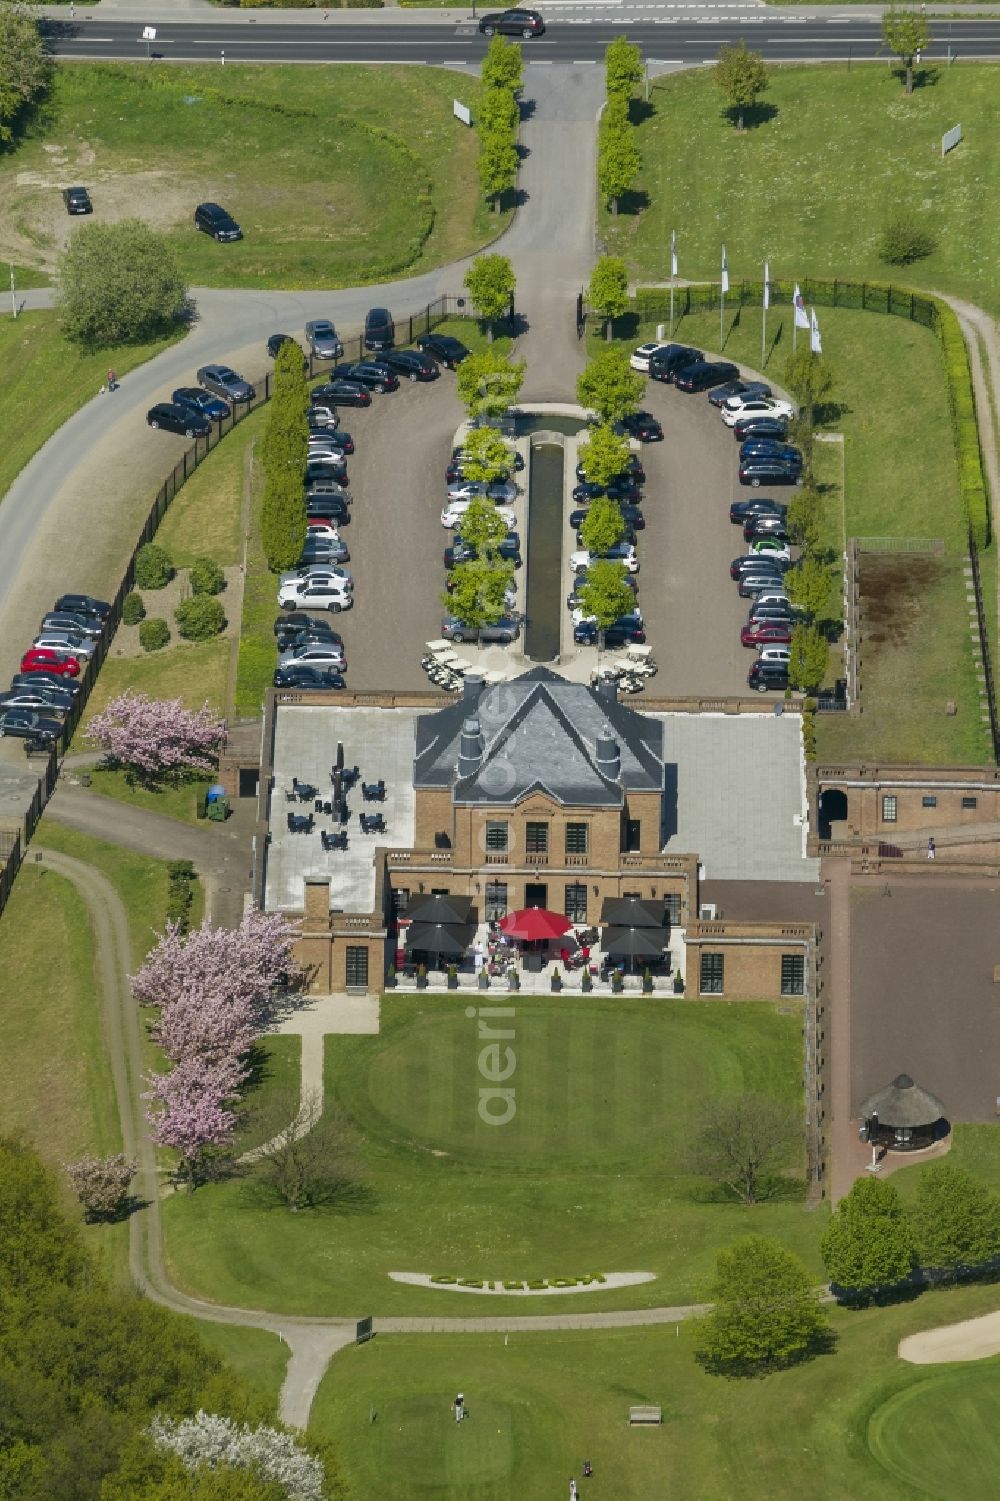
x,y
149,33
950,139
462,112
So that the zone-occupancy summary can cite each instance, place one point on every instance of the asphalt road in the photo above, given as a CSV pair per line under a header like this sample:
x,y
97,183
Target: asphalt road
x,y
780,38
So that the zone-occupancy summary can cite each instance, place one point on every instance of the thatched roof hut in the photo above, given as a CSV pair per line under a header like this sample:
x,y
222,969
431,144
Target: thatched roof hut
x,y
907,1116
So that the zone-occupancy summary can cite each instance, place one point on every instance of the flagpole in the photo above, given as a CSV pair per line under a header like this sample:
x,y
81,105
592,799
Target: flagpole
x,y
763,318
673,262
722,301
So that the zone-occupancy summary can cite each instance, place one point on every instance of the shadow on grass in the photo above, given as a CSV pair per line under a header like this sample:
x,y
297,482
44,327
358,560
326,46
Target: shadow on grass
x,y
773,1190
826,413
625,327
753,115
335,1196
640,110
632,203
823,1343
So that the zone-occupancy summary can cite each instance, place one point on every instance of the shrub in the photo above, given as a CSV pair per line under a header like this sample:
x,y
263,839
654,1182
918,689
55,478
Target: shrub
x,y
200,618
133,609
180,892
153,567
905,240
206,577
153,634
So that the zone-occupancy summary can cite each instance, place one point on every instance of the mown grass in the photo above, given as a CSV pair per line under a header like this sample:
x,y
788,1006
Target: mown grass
x,y
178,801
811,187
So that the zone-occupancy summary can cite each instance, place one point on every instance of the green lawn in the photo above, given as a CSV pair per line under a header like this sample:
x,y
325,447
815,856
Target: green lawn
x,y
337,175
541,1404
204,516
35,357
818,180
257,1357
174,802
258,655
193,671
587,1177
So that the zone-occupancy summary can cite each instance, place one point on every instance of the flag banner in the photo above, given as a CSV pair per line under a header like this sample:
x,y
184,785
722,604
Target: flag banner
x,y
767,288
725,272
815,342
673,252
801,316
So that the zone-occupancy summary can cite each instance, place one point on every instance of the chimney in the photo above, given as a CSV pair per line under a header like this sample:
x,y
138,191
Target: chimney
x,y
470,748
472,687
606,690
609,756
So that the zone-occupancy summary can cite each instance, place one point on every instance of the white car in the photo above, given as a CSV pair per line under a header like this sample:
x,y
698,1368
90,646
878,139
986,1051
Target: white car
x,y
321,443
623,553
738,407
332,594
453,512
313,654
315,571
70,642
503,492
335,457
774,654
640,358
770,547
322,529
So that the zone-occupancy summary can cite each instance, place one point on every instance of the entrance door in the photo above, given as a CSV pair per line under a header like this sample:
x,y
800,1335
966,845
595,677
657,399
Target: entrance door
x,y
536,894
357,966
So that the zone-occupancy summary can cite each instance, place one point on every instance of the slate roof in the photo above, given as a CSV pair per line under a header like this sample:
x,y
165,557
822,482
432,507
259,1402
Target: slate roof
x,y
540,733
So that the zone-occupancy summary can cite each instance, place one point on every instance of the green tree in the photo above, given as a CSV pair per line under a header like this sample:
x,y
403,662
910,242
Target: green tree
x,y
603,454
623,69
906,33
809,378
284,450
482,527
478,591
200,618
485,455
206,577
606,595
956,1218
25,66
742,1141
490,282
742,77
805,516
766,1313
609,385
283,519
607,292
618,159
488,384
602,526
502,66
118,284
868,1244
498,110
497,165
154,567
808,585
809,658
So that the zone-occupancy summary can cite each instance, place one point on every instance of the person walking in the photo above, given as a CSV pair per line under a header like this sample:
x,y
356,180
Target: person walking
x,y
572,1489
458,1407
931,850
112,381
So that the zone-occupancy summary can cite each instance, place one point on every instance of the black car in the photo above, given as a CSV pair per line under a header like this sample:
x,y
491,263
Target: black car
x,y
411,364
522,23
275,343
740,510
345,393
77,201
174,418
328,508
703,374
751,562
39,700
760,427
84,604
447,351
331,474
45,680
633,473
633,518
380,331
765,675
324,550
620,634
770,448
215,221
307,677
761,469
203,402
765,526
29,724
298,620
721,394
671,358
462,552
573,598
621,489
370,373
641,425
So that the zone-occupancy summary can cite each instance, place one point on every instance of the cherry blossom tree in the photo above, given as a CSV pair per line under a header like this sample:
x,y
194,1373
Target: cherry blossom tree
x,y
189,1109
156,738
242,966
102,1184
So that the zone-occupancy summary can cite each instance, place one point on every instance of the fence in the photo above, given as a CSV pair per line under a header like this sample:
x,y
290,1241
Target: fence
x,y
984,647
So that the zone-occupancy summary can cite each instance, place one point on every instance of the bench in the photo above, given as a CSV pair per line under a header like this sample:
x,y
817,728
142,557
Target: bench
x,y
642,1416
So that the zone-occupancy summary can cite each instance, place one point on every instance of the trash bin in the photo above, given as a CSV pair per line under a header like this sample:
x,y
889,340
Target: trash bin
x,y
218,809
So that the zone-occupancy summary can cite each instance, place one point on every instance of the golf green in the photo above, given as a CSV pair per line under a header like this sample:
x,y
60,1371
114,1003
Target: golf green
x,y
942,1436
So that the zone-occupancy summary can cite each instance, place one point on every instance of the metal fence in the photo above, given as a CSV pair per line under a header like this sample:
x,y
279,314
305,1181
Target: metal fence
x,y
984,647
873,297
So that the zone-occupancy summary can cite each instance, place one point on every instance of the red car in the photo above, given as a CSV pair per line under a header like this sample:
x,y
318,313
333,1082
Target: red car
x,y
46,659
767,633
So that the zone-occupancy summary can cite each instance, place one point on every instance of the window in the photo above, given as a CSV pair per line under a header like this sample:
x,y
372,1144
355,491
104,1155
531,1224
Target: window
x,y
969,802
889,809
496,837
357,966
793,974
495,901
576,838
712,972
672,908
575,906
536,838
631,835
400,899
928,802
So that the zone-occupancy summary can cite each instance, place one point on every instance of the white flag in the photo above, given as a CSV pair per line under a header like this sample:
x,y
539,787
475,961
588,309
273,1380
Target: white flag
x,y
673,252
725,272
767,288
801,316
815,342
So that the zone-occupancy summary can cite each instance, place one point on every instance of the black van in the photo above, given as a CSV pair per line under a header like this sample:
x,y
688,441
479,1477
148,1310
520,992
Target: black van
x,y
380,331
214,221
670,358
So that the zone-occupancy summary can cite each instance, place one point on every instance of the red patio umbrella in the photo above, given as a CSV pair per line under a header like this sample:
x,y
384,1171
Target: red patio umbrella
x,y
534,924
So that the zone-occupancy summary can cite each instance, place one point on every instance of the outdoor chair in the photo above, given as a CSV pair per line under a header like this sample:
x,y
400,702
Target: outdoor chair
x,y
373,792
372,823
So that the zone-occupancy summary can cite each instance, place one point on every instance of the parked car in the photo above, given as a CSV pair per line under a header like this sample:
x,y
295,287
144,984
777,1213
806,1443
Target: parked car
x,y
631,515
737,407
194,399
775,653
321,655
752,562
453,512
765,675
177,419
84,604
765,632
77,201
622,489
639,358
447,351
224,382
328,508
771,448
213,220
42,702
325,467
671,358
641,425
345,393
70,642
765,581
522,23
325,550
304,675
765,526
321,416
277,341
633,473
462,552
771,610
320,593
761,427
740,510
301,624
66,620
773,548
579,580
323,339
324,445
380,331
761,469
502,492
50,681
46,659
503,631
628,628
622,552
411,364
703,374
29,724
315,572
372,374
737,387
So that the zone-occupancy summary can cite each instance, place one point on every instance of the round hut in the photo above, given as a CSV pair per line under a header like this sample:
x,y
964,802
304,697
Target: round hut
x,y
904,1117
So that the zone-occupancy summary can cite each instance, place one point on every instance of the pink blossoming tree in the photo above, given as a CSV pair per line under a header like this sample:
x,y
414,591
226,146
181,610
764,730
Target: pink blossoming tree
x,y
190,1109
156,738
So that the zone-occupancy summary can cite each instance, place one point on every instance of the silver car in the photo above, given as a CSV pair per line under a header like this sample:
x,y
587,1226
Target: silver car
x,y
323,340
66,641
501,492
224,382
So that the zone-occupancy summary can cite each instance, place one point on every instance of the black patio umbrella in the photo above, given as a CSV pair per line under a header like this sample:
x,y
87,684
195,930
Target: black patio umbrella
x,y
635,943
443,909
439,937
631,912
340,755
